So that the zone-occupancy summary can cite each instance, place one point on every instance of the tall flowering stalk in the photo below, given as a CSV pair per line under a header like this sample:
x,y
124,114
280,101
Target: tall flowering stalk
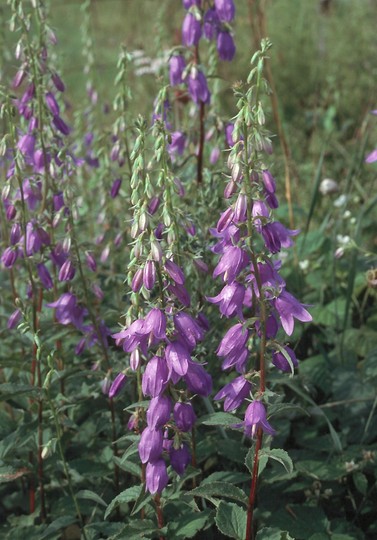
x,y
248,241
163,327
212,22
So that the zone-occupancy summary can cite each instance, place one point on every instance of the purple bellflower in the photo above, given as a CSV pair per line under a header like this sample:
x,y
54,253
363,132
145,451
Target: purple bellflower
x,y
225,46
177,66
255,418
197,87
191,30
156,476
225,10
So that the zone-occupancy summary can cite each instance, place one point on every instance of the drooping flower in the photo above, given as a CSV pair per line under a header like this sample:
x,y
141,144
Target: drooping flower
x,y
150,445
225,10
198,381
180,458
255,418
155,377
177,358
225,46
191,30
156,476
234,393
280,361
177,145
230,299
232,262
177,66
158,412
184,416
117,385
198,87
67,311
288,309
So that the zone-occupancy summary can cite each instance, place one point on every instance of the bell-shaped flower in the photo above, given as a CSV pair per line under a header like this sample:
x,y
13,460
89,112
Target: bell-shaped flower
x,y
288,309
67,311
188,329
276,236
280,360
198,381
180,458
211,23
156,476
255,418
177,358
234,340
232,262
184,416
155,324
44,276
155,377
158,413
150,445
225,46
175,272
198,87
177,66
117,385
149,275
191,30
225,10
234,393
230,299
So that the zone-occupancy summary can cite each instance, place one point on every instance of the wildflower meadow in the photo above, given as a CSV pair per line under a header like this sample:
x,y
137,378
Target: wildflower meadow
x,y
188,269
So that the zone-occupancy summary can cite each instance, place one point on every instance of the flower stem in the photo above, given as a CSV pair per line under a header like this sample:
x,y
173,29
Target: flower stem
x,y
253,487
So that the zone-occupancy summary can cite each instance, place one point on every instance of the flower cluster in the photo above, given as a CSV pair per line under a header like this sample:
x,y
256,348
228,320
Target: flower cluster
x,y
211,23
38,198
161,344
247,239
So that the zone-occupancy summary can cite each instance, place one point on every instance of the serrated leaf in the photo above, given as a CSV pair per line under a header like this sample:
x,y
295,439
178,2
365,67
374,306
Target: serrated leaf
x,y
188,525
220,489
278,455
218,419
91,496
231,520
128,495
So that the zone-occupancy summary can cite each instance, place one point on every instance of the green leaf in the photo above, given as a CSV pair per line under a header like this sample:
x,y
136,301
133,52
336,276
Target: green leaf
x,y
233,477
128,466
278,455
90,495
189,525
269,533
143,498
218,419
361,482
220,489
128,495
57,525
9,390
231,520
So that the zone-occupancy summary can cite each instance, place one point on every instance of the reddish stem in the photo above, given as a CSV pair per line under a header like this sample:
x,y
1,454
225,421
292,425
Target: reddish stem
x,y
160,517
199,176
253,487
